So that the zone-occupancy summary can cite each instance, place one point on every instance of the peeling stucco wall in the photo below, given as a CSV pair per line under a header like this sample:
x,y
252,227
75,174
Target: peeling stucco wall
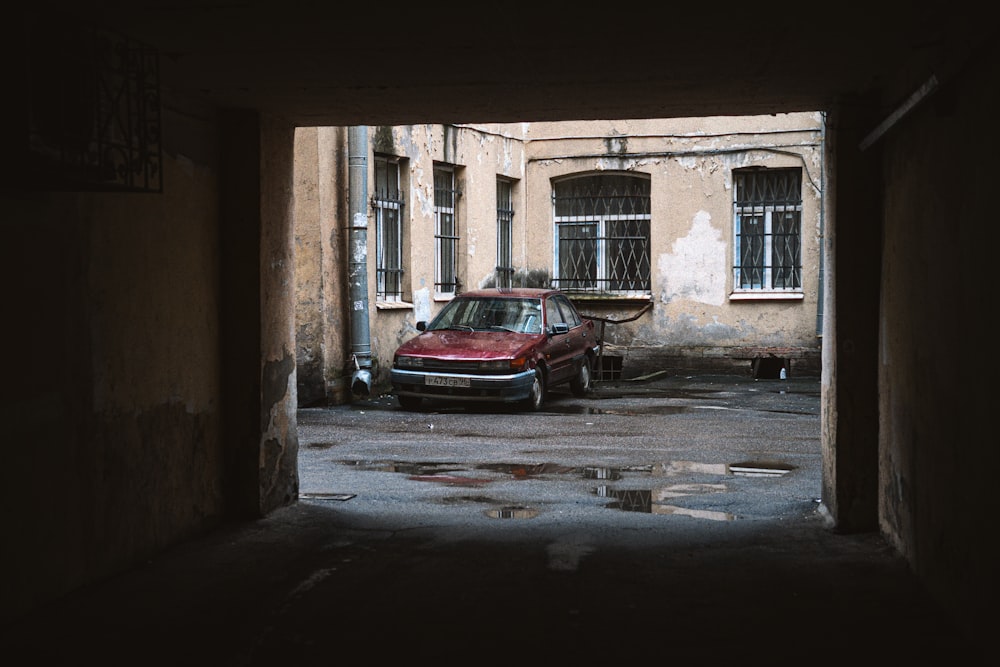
x,y
278,458
694,318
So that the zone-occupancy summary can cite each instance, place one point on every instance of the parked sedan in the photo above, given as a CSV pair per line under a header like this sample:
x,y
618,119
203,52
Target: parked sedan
x,y
497,345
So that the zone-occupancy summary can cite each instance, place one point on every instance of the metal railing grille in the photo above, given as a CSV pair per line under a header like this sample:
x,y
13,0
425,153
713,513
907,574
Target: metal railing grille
x,y
768,239
445,232
602,234
95,121
505,222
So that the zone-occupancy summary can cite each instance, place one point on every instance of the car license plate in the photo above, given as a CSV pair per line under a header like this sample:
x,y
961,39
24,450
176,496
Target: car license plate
x,y
439,381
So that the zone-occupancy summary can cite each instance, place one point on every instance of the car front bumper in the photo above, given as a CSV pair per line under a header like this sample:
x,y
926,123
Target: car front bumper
x,y
461,386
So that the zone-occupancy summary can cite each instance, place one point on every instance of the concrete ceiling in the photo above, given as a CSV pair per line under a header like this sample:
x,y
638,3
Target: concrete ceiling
x,y
320,64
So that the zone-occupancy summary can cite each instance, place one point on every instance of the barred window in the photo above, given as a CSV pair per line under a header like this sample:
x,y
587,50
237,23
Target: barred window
x,y
505,219
767,214
602,228
445,232
388,204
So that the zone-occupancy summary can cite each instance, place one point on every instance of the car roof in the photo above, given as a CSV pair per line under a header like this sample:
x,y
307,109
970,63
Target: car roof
x,y
510,292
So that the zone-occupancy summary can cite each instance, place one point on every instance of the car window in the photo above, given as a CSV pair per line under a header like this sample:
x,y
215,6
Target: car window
x,y
553,314
490,314
457,313
569,314
524,315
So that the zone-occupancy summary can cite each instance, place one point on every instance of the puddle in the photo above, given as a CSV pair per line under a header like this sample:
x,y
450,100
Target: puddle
x,y
521,471
512,513
438,471
320,445
760,469
641,500
409,468
451,480
648,501
524,471
711,515
327,496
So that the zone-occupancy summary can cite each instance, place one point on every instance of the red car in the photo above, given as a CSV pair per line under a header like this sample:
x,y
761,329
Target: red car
x,y
499,345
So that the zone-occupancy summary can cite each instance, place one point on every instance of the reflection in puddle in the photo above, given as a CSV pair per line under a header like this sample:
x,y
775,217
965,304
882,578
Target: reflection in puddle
x,y
523,471
760,469
408,468
602,473
641,500
450,480
680,490
512,513
631,500
711,515
326,496
649,501
686,467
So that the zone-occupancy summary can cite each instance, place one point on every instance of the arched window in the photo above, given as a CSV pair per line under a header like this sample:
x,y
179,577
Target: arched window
x,y
602,234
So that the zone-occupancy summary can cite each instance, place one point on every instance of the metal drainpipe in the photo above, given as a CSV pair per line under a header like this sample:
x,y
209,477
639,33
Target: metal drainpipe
x,y
822,229
361,349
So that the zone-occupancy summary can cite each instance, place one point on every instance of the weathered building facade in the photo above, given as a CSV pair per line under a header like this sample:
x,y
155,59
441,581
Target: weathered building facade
x,y
152,340
694,242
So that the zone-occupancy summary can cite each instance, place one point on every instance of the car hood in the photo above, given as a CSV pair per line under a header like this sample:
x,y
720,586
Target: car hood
x,y
453,344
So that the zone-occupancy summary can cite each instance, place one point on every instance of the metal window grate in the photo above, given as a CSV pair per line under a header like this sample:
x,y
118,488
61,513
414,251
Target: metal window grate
x,y
445,232
505,222
603,232
387,202
94,120
768,222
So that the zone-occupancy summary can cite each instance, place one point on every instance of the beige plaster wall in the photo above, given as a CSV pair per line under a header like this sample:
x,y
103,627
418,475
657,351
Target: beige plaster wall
x,y
322,324
690,163
479,154
693,320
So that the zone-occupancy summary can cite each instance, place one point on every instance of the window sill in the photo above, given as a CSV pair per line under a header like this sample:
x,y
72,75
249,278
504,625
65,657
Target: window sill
x,y
393,305
766,296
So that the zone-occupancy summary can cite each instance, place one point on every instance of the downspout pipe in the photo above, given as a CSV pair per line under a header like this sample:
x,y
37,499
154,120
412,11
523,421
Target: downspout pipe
x,y
361,349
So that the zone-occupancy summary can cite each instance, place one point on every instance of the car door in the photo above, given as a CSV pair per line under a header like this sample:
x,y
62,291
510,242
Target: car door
x,y
560,350
580,336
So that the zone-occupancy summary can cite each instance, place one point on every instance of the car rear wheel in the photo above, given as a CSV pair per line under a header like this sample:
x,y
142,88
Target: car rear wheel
x,y
537,395
580,385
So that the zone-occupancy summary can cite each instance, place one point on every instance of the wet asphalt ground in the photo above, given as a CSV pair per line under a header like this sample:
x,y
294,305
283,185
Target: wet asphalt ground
x,y
665,518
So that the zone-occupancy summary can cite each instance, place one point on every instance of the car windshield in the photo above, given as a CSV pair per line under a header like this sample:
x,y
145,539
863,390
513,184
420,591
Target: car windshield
x,y
491,314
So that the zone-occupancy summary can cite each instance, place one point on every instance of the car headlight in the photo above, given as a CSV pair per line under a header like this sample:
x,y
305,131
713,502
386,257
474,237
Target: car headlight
x,y
504,364
409,362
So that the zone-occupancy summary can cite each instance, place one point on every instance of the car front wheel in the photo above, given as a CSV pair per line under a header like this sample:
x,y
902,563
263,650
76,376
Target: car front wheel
x,y
537,395
580,385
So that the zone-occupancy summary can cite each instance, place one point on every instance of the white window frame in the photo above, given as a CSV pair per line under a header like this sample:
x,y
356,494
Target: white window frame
x,y
385,208
446,236
602,274
766,212
505,233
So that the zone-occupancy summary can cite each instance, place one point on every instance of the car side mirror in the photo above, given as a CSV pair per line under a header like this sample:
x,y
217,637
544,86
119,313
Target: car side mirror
x,y
559,328
421,325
